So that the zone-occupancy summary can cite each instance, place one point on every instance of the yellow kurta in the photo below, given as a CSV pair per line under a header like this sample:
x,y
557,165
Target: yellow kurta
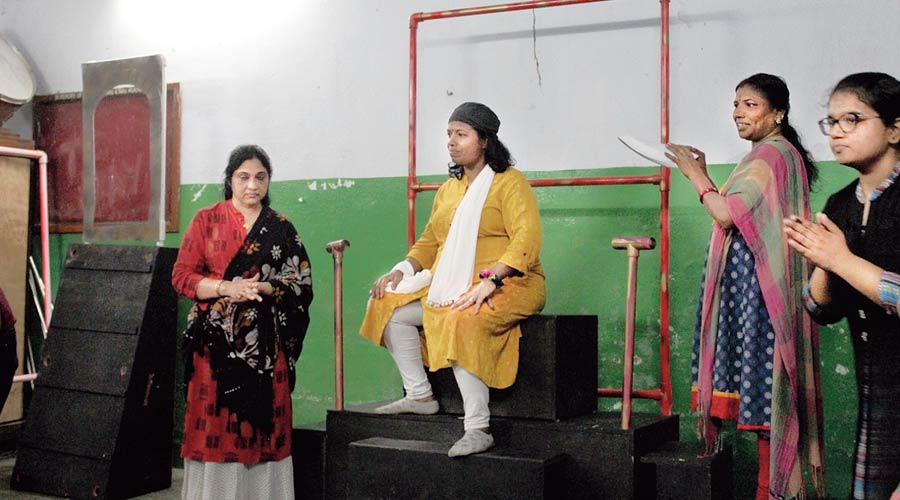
x,y
509,232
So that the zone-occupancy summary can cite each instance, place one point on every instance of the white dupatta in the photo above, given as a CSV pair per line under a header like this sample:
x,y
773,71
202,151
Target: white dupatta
x,y
453,275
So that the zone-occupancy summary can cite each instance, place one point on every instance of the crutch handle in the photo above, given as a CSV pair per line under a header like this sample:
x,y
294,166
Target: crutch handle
x,y
638,242
337,246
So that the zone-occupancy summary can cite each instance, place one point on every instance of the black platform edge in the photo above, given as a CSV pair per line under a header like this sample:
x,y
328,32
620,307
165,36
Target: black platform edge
x,y
557,376
395,468
308,456
604,459
683,474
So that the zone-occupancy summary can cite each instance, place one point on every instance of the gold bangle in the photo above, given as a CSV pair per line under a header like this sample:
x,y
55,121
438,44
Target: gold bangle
x,y
219,292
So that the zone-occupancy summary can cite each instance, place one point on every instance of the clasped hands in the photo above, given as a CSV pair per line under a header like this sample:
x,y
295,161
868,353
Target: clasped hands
x,y
822,243
243,290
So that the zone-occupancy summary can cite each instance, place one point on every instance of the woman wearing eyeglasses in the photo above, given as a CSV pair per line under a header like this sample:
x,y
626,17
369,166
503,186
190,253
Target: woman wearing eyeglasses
x,y
755,351
855,246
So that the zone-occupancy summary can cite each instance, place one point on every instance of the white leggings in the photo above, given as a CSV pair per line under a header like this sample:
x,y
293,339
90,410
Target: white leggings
x,y
401,337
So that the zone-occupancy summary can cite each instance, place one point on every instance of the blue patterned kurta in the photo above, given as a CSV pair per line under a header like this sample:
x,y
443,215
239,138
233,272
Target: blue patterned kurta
x,y
742,374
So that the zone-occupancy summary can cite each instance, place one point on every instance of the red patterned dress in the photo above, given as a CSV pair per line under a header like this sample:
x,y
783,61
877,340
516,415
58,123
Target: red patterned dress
x,y
240,357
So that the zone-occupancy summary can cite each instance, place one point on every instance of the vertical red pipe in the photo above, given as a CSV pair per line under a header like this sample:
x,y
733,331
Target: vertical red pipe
x,y
665,378
411,174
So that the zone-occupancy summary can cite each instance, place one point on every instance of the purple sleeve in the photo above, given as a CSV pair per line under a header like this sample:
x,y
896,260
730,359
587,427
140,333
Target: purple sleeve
x,y
7,318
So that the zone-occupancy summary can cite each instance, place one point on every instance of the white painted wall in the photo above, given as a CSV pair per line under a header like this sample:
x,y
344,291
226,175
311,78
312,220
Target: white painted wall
x,y
322,84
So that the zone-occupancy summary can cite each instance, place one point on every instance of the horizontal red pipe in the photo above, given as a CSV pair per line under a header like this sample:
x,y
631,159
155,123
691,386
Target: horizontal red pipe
x,y
491,9
656,394
569,181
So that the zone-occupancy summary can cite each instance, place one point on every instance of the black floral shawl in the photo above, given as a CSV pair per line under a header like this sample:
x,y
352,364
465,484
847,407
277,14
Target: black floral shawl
x,y
242,340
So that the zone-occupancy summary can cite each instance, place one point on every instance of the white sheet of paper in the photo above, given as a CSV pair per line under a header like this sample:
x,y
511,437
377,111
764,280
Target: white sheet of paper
x,y
655,153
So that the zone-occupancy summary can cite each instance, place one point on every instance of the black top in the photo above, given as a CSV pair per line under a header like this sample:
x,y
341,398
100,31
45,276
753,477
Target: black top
x,y
875,332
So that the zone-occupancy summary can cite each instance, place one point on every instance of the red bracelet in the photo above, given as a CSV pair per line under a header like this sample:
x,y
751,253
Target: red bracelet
x,y
711,189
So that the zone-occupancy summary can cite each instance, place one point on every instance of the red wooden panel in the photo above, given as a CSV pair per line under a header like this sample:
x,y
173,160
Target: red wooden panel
x,y
122,141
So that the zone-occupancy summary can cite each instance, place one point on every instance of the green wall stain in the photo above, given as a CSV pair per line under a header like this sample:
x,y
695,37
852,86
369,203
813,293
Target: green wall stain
x,y
584,276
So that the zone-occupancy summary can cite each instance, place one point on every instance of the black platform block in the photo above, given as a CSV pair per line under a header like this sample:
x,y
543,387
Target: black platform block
x,y
604,461
308,455
682,475
382,468
100,422
557,376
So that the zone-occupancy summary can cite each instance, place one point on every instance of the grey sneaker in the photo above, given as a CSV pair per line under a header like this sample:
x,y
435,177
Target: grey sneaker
x,y
473,441
407,405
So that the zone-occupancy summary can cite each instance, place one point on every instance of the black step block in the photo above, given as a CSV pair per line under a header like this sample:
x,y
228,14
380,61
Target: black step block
x,y
681,474
604,461
382,468
100,422
557,376
308,455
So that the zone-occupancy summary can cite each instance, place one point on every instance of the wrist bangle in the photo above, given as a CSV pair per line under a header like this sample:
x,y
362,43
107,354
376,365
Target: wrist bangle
x,y
711,189
219,284
491,276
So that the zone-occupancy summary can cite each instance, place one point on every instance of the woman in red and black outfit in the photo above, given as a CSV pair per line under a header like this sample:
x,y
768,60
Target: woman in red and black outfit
x,y
246,269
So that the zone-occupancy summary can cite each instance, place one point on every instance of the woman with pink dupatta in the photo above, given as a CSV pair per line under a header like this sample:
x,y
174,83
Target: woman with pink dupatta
x,y
755,349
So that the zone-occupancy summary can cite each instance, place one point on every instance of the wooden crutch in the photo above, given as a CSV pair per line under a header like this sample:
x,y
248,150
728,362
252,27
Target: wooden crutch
x,y
634,245
336,249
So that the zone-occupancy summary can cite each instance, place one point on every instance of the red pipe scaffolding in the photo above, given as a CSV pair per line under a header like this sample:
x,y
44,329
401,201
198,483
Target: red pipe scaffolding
x,y
663,394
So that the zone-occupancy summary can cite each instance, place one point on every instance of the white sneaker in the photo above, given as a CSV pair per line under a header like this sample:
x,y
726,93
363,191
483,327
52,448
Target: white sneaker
x,y
407,405
473,441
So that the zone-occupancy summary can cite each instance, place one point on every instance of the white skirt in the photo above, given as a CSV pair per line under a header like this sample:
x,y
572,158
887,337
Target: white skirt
x,y
236,481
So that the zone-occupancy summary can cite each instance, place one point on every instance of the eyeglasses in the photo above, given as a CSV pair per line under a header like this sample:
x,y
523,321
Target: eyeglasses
x,y
847,122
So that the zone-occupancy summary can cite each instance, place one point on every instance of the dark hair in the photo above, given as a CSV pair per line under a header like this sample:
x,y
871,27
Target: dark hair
x,y
879,91
776,92
495,154
237,157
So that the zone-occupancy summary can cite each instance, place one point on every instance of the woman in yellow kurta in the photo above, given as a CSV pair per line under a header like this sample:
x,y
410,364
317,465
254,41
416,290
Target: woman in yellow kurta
x,y
469,280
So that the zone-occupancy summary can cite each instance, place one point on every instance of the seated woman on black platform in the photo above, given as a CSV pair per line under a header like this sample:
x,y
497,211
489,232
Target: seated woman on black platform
x,y
481,243
245,268
855,246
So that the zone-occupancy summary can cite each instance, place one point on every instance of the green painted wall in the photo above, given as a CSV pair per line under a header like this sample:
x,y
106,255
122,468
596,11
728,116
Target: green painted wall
x,y
584,276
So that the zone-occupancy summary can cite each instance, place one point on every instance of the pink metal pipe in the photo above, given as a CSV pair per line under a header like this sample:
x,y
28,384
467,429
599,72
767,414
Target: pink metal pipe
x,y
25,378
336,249
663,180
414,21
41,157
570,181
493,9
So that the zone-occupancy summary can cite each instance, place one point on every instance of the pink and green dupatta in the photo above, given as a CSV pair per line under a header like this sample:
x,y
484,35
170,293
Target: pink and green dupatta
x,y
767,185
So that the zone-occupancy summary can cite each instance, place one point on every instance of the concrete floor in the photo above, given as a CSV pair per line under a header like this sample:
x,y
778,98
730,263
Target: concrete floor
x,y
8,460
